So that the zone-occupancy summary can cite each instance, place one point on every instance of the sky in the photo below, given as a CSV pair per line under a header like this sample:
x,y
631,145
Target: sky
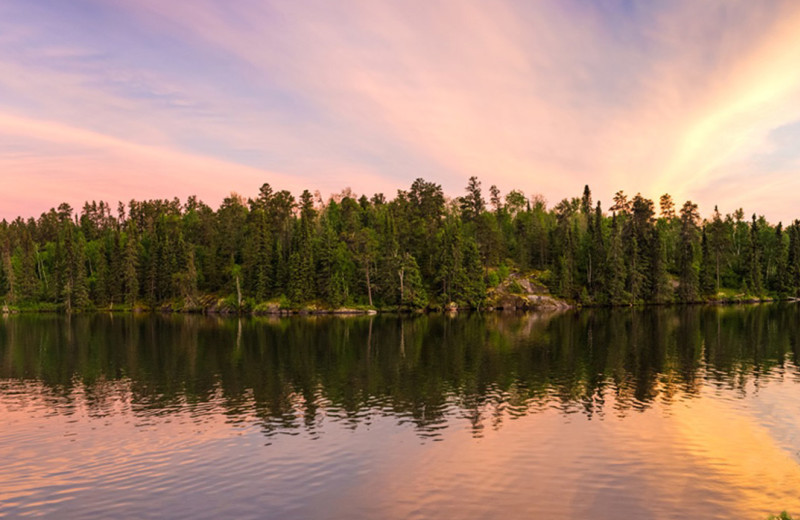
x,y
119,99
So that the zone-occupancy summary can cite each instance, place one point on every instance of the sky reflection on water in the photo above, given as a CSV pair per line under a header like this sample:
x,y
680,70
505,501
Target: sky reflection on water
x,y
663,413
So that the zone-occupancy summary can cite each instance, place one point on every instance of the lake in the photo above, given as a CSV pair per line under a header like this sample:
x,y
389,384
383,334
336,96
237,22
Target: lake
x,y
684,412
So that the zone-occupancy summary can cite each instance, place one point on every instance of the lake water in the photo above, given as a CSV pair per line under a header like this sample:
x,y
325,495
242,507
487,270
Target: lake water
x,y
689,412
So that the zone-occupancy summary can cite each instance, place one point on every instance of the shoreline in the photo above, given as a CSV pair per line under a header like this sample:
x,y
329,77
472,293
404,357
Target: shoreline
x,y
553,305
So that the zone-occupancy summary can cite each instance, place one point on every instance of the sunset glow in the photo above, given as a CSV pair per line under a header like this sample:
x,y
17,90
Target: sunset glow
x,y
151,99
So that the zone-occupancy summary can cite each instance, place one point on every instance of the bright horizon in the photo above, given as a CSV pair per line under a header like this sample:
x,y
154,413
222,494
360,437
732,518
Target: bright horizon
x,y
146,99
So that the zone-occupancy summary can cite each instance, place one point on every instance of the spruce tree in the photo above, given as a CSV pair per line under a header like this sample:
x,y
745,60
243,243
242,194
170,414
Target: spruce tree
x,y
598,255
754,280
781,284
793,260
472,204
4,281
615,266
718,245
474,291
660,290
412,291
130,261
26,284
78,270
688,289
707,282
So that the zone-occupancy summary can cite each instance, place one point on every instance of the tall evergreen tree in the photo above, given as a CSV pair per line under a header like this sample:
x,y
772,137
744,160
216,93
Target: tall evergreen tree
x,y
707,282
130,263
754,280
472,204
615,266
5,284
688,290
659,288
781,282
25,283
793,260
598,255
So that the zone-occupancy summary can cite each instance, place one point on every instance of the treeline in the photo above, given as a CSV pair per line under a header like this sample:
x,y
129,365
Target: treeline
x,y
417,250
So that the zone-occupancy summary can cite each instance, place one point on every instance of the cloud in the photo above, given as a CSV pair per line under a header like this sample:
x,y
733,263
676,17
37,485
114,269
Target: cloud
x,y
45,163
678,98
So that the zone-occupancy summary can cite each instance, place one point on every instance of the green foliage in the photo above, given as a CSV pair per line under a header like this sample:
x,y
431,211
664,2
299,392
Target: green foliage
x,y
406,252
514,287
503,271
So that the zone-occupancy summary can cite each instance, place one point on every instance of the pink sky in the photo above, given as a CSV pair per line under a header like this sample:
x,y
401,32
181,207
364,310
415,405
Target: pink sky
x,y
144,99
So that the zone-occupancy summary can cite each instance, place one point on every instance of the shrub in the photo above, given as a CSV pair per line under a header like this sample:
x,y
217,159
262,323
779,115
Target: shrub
x,y
515,288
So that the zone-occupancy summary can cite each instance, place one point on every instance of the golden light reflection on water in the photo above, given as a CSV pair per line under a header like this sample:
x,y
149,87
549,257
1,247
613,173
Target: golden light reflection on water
x,y
700,459
743,452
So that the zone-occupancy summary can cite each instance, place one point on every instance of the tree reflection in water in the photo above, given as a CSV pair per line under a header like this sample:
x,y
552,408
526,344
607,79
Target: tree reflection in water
x,y
288,374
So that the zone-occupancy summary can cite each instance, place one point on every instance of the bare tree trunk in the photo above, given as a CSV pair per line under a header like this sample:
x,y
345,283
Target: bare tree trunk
x,y
238,293
402,273
41,269
68,300
369,289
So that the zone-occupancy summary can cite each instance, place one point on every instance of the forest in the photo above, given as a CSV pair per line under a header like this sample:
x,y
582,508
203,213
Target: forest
x,y
419,250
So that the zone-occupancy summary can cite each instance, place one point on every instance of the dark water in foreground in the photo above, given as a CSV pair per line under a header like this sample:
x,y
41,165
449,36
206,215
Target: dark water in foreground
x,y
665,413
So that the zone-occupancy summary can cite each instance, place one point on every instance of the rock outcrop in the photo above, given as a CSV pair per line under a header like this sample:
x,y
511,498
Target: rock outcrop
x,y
520,292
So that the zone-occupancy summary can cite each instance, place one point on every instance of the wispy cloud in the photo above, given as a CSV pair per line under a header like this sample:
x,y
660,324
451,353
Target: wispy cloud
x,y
682,97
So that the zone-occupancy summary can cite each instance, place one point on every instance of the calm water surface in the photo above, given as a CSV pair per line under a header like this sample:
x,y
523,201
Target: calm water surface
x,y
665,413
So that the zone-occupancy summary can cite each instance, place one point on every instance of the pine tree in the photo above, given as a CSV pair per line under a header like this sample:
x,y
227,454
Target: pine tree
x,y
565,250
258,256
793,260
636,278
412,292
26,284
718,245
331,283
689,289
300,272
99,282
474,290
707,282
366,248
80,287
586,201
598,256
754,280
185,277
565,271
301,260
472,204
781,283
660,290
130,261
5,285
615,266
